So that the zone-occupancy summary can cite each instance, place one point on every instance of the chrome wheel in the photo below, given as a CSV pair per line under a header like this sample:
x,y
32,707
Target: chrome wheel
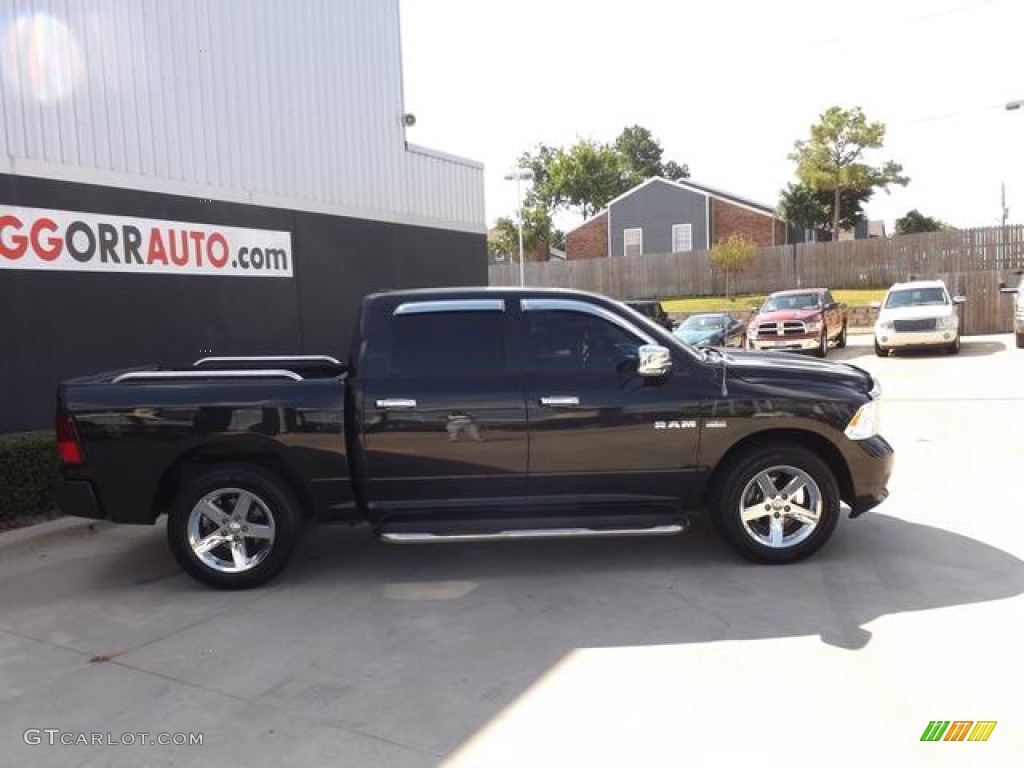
x,y
780,507
231,530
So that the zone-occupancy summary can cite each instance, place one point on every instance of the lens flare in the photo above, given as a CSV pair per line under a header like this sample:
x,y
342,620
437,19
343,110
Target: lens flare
x,y
41,58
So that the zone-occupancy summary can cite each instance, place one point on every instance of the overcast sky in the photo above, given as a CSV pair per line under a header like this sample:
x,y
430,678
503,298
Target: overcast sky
x,y
727,87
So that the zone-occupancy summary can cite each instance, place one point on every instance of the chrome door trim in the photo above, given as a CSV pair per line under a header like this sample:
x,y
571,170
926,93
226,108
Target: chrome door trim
x,y
450,305
560,401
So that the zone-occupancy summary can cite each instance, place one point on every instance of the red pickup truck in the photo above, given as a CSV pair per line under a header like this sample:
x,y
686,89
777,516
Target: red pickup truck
x,y
806,319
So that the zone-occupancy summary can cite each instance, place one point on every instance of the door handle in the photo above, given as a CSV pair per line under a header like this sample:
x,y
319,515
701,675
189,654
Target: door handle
x,y
560,401
397,402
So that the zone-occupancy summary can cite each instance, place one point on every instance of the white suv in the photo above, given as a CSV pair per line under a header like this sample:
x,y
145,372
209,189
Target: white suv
x,y
1018,310
918,314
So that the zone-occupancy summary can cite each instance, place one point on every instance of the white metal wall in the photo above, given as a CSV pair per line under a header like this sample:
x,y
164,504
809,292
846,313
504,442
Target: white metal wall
x,y
282,102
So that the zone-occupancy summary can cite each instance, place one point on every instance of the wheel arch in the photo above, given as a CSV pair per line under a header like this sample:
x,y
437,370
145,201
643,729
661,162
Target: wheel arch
x,y
199,459
816,443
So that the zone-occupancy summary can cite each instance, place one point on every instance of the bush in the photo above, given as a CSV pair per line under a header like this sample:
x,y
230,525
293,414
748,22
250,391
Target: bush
x,y
28,464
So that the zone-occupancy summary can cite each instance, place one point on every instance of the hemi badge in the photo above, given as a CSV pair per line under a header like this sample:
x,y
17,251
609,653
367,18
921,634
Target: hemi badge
x,y
715,424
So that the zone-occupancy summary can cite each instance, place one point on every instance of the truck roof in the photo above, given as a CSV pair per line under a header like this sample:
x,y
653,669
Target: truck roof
x,y
454,291
917,284
792,291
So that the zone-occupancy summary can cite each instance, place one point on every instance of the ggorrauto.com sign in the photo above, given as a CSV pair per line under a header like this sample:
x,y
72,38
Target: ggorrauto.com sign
x,y
69,241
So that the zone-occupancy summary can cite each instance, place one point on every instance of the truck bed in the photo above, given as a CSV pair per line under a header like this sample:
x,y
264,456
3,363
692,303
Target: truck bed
x,y
140,427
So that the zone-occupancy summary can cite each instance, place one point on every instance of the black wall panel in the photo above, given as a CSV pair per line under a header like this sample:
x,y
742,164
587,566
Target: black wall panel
x,y
55,325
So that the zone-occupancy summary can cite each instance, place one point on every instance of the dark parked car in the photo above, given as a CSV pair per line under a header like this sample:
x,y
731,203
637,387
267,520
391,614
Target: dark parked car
x,y
476,414
717,329
654,311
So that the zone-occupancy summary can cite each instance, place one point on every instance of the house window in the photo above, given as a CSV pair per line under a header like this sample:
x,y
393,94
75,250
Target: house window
x,y
632,242
682,237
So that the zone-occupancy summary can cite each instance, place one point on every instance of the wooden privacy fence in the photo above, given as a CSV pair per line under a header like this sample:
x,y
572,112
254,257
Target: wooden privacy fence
x,y
971,261
987,310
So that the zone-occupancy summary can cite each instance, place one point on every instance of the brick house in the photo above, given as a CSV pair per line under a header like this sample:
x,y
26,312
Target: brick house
x,y
663,216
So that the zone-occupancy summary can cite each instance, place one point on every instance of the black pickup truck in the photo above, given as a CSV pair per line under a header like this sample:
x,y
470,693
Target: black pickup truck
x,y
470,414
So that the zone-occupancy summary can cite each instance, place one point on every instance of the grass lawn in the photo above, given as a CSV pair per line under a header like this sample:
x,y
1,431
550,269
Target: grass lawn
x,y
747,300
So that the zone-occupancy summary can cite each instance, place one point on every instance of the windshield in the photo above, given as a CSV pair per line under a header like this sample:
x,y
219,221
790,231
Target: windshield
x,y
792,301
916,297
702,324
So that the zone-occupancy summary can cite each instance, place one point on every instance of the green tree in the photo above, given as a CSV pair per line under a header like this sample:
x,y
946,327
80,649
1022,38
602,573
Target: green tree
x,y
808,208
539,236
833,158
538,161
802,207
642,155
916,222
586,175
732,255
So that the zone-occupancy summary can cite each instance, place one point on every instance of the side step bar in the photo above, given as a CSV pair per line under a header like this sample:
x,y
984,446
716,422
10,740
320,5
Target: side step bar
x,y
539,533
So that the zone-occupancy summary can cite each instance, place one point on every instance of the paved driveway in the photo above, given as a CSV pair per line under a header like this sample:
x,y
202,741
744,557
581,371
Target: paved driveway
x,y
583,653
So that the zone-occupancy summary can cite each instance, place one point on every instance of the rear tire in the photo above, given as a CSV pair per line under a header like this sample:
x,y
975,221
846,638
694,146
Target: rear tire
x,y
1020,340
775,503
841,341
233,527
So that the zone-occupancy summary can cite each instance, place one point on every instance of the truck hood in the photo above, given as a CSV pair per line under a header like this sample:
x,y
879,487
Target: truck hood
x,y
696,337
780,315
783,368
923,312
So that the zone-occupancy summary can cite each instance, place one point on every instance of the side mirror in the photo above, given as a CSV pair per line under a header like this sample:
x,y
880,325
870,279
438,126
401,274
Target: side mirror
x,y
959,299
653,360
876,305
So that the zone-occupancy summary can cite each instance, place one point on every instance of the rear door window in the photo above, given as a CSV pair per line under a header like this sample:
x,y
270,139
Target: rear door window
x,y
457,343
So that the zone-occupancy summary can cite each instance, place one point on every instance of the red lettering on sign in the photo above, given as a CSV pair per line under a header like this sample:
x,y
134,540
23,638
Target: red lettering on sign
x,y
18,242
218,239
54,245
179,259
156,248
197,238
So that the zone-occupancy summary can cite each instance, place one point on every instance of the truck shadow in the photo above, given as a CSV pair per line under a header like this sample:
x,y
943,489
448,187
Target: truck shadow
x,y
637,591
596,592
373,636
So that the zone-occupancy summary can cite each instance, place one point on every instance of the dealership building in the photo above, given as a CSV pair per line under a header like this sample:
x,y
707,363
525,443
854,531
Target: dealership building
x,y
209,177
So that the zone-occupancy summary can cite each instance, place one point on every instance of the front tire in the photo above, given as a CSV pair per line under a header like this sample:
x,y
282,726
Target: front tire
x,y
233,527
954,348
880,351
841,341
775,504
1020,339
822,350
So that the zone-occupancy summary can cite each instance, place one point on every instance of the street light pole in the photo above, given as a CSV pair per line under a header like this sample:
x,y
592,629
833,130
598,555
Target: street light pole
x,y
519,174
519,199
1010,106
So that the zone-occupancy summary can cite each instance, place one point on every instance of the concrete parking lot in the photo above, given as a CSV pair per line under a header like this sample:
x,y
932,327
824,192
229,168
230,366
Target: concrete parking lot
x,y
630,652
